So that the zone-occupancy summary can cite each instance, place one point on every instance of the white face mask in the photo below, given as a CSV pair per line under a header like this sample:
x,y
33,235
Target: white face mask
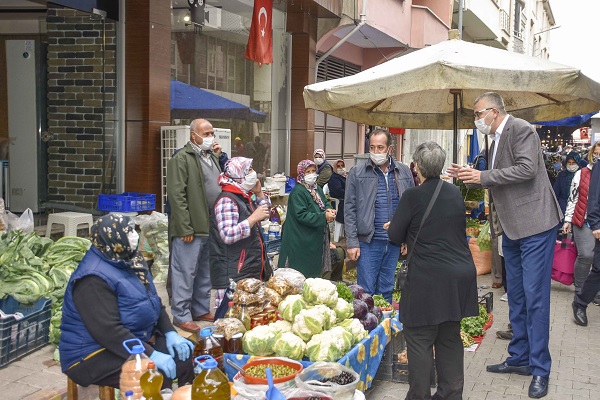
x,y
133,237
378,159
341,171
207,143
572,168
310,179
482,127
249,181
319,161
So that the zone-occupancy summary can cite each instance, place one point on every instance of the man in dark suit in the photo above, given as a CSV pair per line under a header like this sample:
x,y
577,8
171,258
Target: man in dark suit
x,y
528,214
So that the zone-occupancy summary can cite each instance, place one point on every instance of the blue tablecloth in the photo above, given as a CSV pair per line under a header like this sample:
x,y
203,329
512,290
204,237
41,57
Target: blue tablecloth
x,y
364,357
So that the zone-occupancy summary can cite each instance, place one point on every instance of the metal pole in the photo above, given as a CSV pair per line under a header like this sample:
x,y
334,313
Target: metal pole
x,y
460,18
455,128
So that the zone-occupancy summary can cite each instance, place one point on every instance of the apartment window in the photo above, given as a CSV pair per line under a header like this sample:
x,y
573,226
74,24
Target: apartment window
x,y
519,18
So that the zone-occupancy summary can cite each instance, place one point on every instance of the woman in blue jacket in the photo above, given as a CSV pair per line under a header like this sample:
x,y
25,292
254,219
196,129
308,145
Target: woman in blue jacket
x,y
562,185
111,298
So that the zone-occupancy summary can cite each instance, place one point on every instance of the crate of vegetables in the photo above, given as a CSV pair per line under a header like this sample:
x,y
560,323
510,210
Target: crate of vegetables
x,y
23,328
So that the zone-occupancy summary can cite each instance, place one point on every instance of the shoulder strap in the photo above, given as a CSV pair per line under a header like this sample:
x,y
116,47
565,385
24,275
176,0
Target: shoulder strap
x,y
429,206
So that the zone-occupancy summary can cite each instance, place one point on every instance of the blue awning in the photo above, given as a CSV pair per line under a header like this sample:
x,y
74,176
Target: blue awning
x,y
190,102
571,121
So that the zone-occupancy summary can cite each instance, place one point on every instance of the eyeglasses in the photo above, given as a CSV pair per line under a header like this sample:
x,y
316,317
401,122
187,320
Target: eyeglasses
x,y
477,114
204,134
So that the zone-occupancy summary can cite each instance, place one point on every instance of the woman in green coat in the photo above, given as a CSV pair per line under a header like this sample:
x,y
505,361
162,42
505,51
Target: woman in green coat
x,y
305,232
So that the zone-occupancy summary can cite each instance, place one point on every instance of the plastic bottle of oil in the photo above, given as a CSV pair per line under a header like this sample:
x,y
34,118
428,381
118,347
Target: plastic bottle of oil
x,y
245,317
151,383
207,344
211,383
133,369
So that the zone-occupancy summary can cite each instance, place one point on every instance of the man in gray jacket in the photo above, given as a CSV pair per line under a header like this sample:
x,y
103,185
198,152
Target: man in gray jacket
x,y
528,215
373,190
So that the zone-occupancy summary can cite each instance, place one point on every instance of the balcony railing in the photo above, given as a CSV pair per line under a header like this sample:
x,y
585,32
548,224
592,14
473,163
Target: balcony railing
x,y
504,21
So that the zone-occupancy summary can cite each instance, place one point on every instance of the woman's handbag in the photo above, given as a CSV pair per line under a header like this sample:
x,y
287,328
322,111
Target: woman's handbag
x,y
402,273
563,265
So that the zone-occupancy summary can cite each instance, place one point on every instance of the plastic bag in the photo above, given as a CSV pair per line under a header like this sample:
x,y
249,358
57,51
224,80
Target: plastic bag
x,y
309,378
250,285
242,297
294,277
273,297
24,222
155,230
484,240
229,327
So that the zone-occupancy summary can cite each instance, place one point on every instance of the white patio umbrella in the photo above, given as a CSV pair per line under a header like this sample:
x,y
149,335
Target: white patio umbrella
x,y
434,88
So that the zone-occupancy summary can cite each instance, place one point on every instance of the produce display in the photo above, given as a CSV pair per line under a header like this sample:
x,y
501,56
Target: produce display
x,y
155,230
473,326
32,267
330,345
278,371
289,345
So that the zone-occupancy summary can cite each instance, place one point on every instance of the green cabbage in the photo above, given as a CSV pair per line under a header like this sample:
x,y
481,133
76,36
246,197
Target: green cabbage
x,y
320,291
291,306
290,346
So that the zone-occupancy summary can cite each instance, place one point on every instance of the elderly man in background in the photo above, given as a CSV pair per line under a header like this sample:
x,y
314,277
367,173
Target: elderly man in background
x,y
373,190
528,214
192,188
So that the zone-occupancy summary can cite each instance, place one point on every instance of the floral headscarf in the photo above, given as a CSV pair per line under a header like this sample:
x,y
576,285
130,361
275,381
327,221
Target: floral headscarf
x,y
235,171
109,236
319,152
312,189
553,159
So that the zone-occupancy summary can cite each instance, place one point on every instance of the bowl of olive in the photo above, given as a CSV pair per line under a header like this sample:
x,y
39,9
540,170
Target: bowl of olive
x,y
283,370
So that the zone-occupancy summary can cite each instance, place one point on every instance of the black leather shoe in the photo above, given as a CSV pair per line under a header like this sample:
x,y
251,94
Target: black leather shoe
x,y
506,335
504,368
580,315
538,387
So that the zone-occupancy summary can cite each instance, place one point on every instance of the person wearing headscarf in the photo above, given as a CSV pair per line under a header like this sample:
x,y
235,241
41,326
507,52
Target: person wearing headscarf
x,y
305,240
562,185
324,169
237,249
553,166
111,298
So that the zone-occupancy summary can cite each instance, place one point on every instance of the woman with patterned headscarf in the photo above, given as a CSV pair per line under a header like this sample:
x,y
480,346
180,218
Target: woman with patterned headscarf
x,y
111,298
553,166
237,250
324,169
305,239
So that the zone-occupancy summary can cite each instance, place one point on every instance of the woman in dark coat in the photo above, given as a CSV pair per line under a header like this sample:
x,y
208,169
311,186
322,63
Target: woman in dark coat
x,y
441,286
305,231
111,298
337,188
562,185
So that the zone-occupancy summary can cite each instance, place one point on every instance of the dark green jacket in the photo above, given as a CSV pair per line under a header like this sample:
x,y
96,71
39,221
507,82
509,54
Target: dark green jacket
x,y
185,190
303,233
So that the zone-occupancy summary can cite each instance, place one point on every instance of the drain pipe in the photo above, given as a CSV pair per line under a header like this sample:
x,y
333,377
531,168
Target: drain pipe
x,y
363,21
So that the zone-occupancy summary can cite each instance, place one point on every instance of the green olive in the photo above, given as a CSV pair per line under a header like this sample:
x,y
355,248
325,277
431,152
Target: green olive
x,y
278,371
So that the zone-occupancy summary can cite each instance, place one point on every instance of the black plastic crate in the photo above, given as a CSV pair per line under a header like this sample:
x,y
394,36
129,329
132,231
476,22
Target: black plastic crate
x,y
20,337
488,301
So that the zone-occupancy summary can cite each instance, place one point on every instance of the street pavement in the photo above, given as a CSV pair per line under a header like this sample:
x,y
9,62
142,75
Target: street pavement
x,y
575,358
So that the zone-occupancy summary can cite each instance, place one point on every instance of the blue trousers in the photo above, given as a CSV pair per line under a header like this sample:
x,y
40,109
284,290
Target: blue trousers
x,y
377,267
528,270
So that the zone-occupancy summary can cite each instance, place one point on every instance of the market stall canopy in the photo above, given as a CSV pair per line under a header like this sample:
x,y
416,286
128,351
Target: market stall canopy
x,y
416,90
190,102
571,121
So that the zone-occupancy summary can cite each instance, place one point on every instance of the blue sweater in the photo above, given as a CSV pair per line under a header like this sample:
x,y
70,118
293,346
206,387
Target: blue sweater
x,y
386,202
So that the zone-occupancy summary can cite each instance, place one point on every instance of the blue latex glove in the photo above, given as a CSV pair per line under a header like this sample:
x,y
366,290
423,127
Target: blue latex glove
x,y
176,343
165,363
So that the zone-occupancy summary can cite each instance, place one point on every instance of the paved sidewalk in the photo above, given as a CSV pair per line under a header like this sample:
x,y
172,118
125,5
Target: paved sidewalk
x,y
575,353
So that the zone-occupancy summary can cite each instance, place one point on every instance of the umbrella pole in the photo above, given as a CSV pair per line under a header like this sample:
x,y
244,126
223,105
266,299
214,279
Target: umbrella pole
x,y
455,127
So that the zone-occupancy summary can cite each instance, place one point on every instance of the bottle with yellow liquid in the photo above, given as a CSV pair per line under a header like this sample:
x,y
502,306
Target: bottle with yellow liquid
x,y
211,383
151,383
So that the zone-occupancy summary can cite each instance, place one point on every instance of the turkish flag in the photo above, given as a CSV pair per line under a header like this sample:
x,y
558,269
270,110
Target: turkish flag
x,y
260,41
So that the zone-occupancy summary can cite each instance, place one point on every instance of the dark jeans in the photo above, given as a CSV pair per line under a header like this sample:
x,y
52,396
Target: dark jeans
x,y
449,361
104,369
591,286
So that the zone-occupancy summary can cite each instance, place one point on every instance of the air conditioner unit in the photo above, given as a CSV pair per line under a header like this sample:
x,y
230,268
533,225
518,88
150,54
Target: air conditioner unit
x,y
212,17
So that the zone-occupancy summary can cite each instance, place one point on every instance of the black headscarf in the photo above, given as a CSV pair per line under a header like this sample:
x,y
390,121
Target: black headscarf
x,y
109,236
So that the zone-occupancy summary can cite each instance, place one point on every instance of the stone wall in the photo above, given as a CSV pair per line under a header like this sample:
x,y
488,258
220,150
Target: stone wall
x,y
81,107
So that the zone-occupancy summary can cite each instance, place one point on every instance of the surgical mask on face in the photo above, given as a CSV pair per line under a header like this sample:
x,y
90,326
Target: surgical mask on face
x,y
207,143
341,171
572,168
133,237
249,181
557,166
377,158
319,161
481,125
310,179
